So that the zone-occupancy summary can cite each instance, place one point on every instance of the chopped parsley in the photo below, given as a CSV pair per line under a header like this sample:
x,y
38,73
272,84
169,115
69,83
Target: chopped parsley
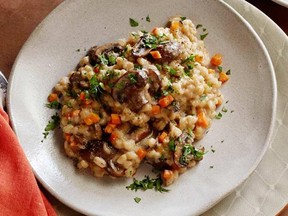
x,y
148,18
228,72
133,78
110,74
150,41
170,70
182,18
96,87
54,105
133,23
137,199
199,26
147,183
202,36
171,145
187,150
220,68
219,115
52,124
224,109
103,60
191,58
111,60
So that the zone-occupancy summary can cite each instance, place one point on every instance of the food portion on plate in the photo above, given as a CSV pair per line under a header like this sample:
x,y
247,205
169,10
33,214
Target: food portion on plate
x,y
147,98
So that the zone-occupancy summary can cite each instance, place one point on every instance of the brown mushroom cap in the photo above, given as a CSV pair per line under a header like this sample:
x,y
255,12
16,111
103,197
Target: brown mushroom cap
x,y
182,140
109,49
140,49
129,89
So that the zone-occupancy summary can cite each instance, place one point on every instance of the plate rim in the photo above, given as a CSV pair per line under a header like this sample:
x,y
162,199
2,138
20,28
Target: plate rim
x,y
247,174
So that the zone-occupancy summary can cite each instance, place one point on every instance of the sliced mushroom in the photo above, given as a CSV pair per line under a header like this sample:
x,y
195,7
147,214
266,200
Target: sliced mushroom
x,y
114,170
140,133
78,82
154,81
105,151
95,148
107,50
129,89
183,139
140,49
169,51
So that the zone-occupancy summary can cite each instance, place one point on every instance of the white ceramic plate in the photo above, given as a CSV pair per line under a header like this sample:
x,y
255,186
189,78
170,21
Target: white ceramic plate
x,y
51,52
282,2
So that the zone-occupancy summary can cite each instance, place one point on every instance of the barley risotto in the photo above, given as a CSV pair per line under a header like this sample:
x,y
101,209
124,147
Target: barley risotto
x,y
145,98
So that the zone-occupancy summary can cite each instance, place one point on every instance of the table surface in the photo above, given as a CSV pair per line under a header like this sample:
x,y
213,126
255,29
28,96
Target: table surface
x,y
18,18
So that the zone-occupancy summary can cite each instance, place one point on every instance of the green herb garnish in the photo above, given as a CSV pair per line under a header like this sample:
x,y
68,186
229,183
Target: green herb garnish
x,y
96,87
171,145
182,18
219,115
137,199
148,18
199,26
133,23
202,36
187,150
133,78
191,58
147,183
228,72
220,68
54,105
52,124
111,60
103,60
224,109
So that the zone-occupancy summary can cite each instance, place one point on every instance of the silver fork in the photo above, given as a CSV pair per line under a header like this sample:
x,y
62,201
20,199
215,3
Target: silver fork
x,y
3,89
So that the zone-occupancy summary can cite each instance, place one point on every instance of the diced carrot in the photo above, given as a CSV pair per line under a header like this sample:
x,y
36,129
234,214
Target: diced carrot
x,y
202,120
223,77
219,102
113,137
167,174
141,153
75,113
115,119
199,58
52,97
165,101
67,137
92,118
109,128
155,109
156,54
82,96
174,25
162,136
216,59
154,31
